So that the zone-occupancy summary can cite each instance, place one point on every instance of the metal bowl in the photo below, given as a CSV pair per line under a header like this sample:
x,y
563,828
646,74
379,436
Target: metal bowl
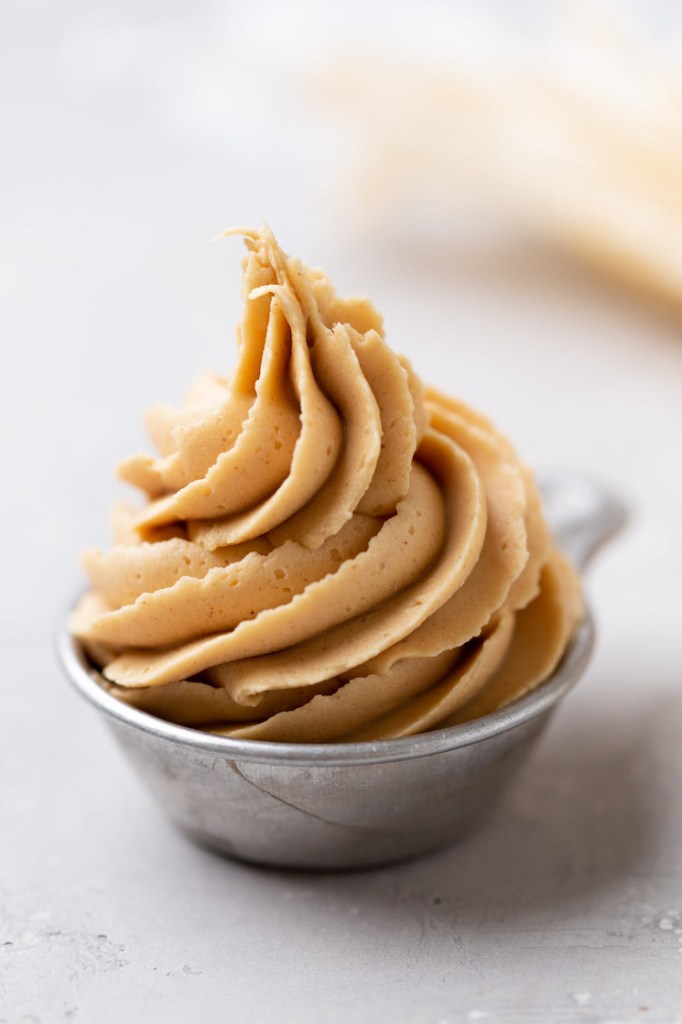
x,y
351,805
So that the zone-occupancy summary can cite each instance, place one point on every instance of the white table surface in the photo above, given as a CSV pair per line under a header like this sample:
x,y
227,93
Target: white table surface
x,y
127,145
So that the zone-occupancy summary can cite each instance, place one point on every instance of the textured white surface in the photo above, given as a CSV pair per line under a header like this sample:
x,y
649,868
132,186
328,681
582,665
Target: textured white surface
x,y
127,145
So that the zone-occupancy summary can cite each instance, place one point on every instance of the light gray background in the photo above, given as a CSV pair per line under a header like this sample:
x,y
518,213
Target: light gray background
x,y
128,140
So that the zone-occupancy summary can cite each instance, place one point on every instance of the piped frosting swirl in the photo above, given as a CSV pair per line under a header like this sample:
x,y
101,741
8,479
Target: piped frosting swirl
x,y
328,551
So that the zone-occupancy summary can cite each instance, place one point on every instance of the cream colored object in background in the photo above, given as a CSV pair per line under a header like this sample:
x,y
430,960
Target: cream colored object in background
x,y
578,139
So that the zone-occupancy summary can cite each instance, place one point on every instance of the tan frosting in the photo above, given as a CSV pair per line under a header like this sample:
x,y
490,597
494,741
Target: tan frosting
x,y
328,552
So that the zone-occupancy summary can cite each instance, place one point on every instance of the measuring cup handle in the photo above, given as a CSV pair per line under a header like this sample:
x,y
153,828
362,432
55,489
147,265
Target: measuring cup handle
x,y
582,515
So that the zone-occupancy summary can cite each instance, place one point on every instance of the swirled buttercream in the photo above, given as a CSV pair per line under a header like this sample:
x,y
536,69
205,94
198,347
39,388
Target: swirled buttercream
x,y
328,551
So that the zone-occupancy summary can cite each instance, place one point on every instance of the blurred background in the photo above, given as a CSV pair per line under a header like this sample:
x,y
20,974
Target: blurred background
x,y
504,181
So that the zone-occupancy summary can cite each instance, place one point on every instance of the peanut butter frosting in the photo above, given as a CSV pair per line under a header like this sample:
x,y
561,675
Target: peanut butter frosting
x,y
328,551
